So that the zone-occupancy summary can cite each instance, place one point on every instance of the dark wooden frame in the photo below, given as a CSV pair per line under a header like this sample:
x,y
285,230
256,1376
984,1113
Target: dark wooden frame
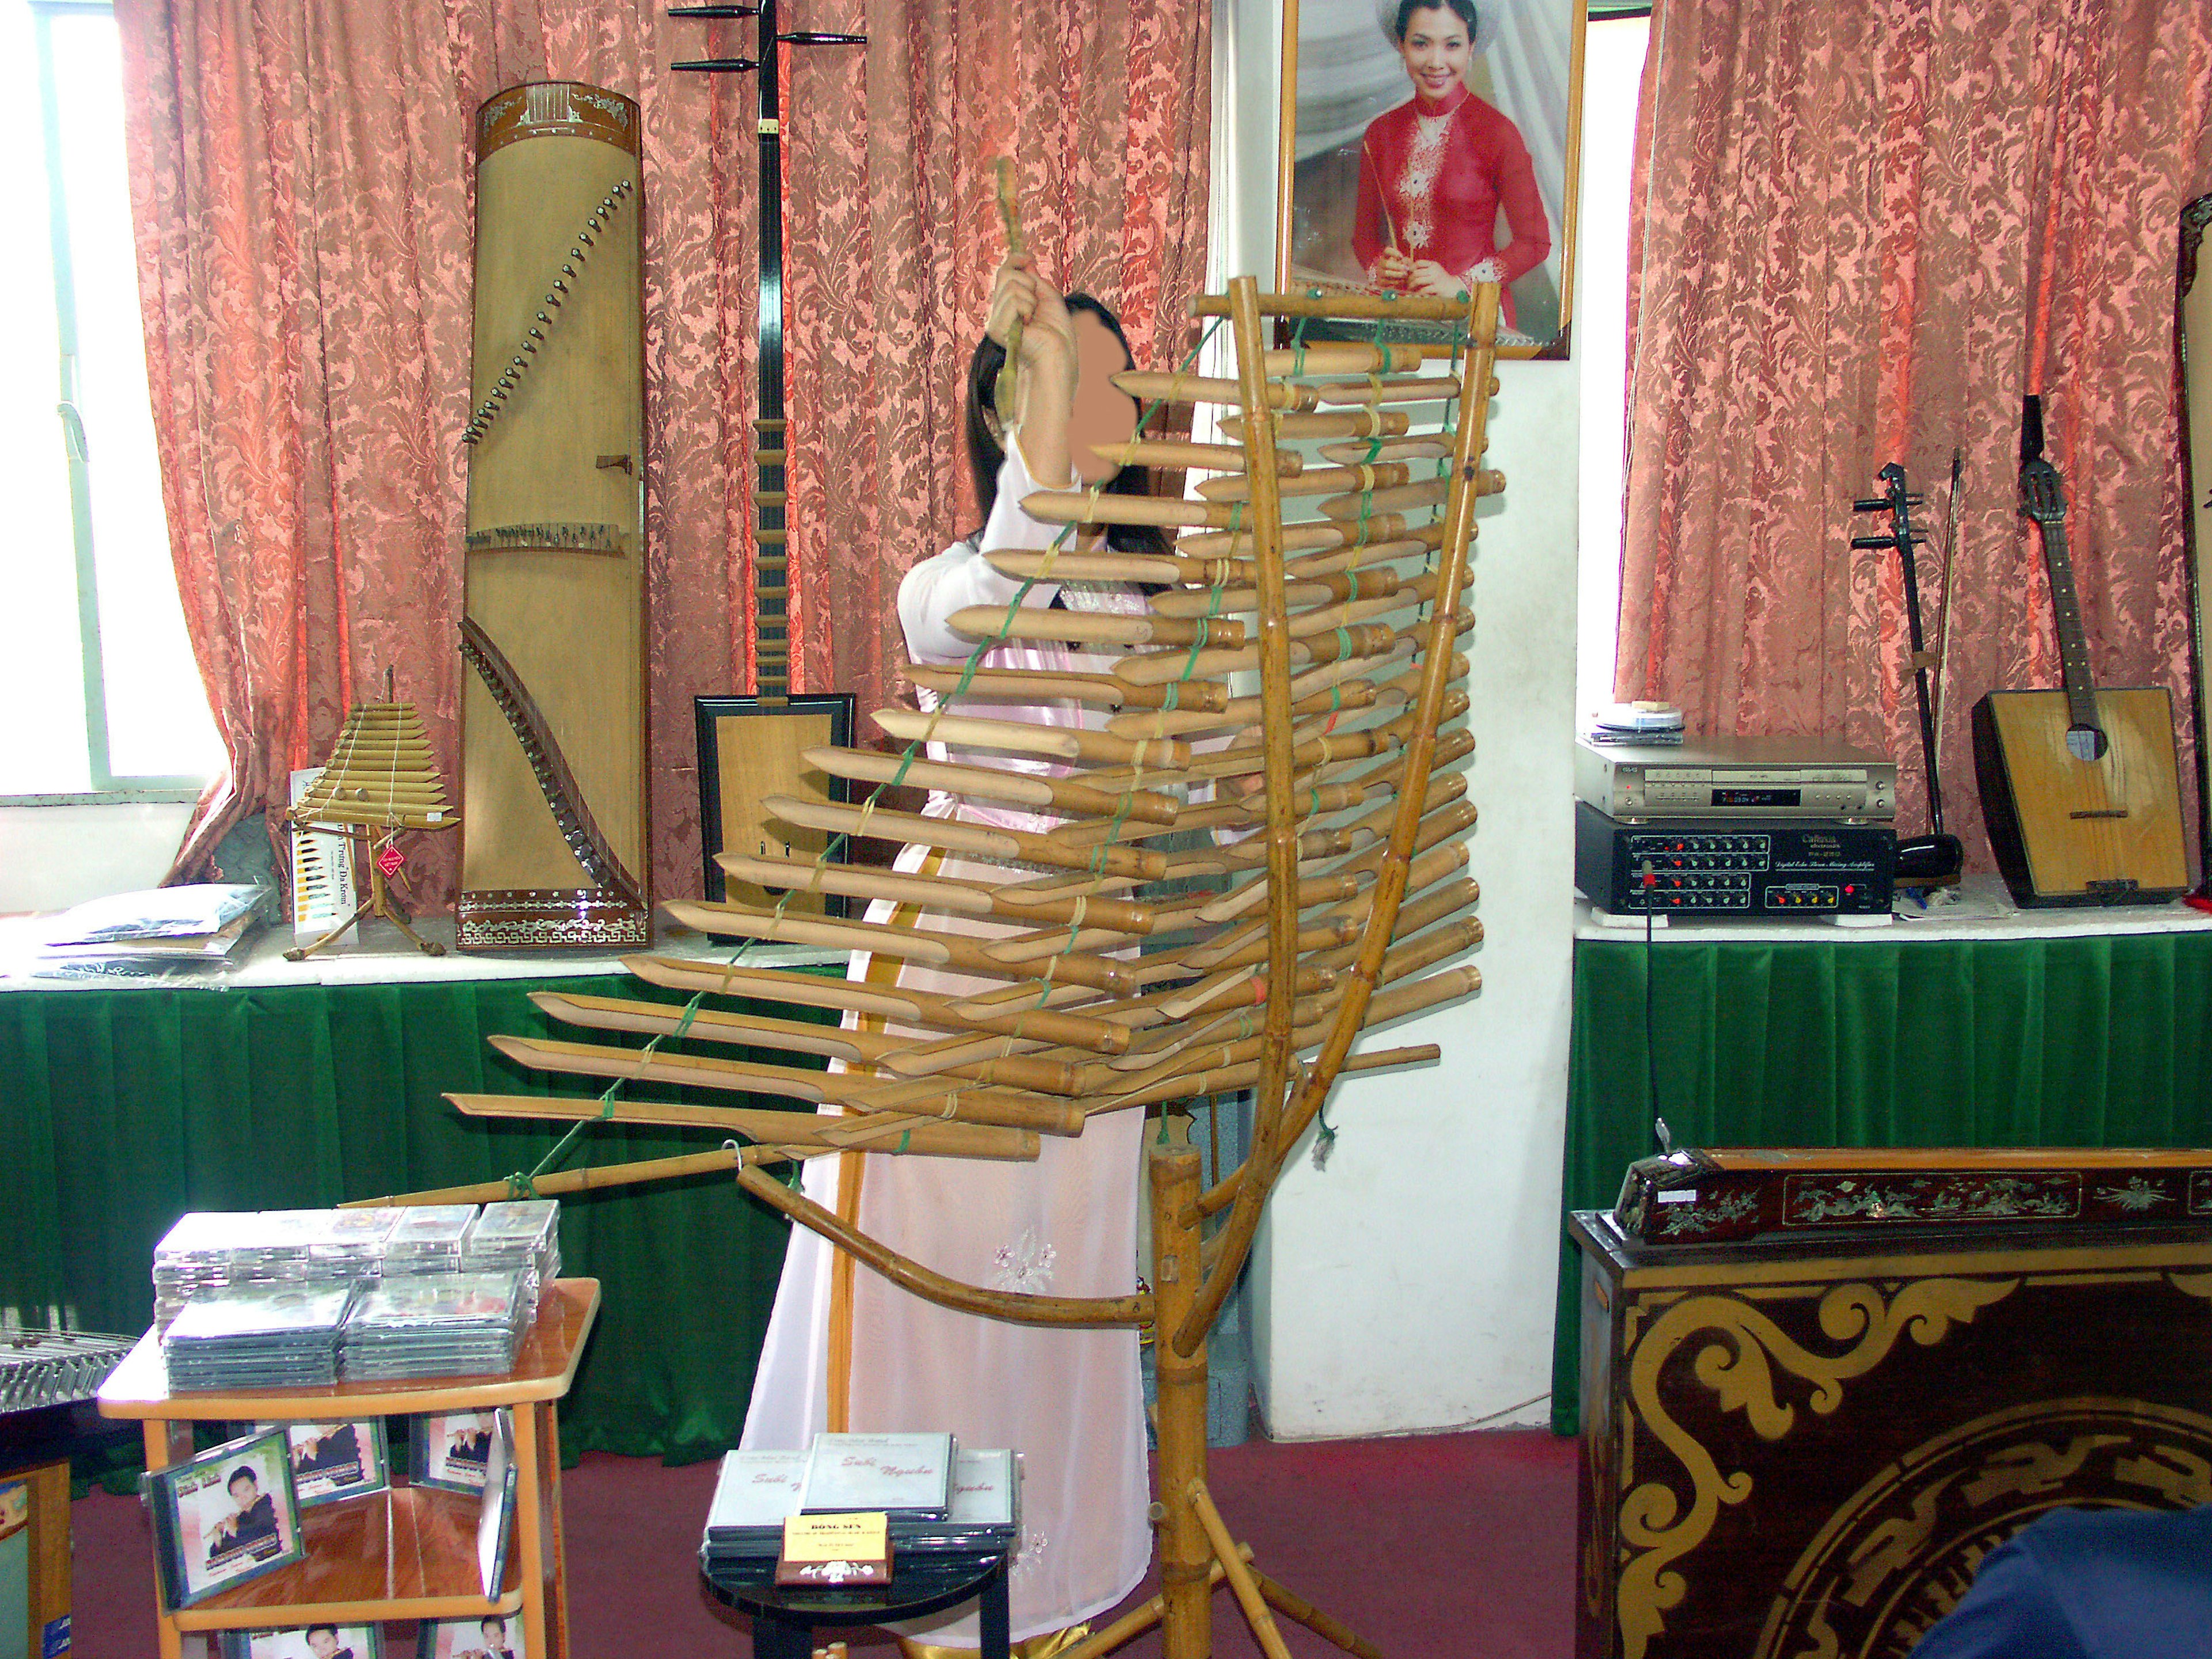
x,y
2197,536
708,713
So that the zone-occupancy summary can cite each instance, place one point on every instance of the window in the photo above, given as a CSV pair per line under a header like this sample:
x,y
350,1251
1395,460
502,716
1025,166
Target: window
x,y
97,677
1613,73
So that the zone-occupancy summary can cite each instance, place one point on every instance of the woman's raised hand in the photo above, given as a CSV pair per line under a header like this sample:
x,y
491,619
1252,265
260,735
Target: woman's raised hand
x,y
1019,292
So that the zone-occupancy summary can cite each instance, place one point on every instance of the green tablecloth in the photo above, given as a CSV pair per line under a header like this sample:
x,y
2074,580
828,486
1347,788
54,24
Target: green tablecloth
x,y
120,1110
2087,1040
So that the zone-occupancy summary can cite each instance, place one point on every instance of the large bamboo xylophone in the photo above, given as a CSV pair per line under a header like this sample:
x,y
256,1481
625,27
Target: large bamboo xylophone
x,y
1284,692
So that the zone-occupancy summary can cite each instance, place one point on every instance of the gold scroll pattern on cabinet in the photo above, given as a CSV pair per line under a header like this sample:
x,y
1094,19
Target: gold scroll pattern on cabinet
x,y
1656,1530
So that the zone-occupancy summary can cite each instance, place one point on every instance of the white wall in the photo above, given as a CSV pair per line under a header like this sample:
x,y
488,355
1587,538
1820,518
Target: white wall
x,y
52,857
1409,1285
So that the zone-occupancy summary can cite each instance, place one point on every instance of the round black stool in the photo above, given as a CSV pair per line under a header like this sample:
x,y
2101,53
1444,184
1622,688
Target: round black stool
x,y
786,1616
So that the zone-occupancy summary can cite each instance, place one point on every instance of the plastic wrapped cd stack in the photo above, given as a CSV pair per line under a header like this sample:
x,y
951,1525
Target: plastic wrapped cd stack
x,y
429,1239
212,1251
521,1234
435,1324
246,1339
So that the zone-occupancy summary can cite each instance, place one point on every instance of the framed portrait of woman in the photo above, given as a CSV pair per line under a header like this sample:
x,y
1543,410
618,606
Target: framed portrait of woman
x,y
1430,144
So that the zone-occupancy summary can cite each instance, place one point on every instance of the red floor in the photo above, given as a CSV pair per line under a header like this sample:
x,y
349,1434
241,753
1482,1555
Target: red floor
x,y
1439,1546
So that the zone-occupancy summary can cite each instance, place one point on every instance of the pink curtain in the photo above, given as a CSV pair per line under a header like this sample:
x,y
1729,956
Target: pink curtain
x,y
1861,234
894,234
301,179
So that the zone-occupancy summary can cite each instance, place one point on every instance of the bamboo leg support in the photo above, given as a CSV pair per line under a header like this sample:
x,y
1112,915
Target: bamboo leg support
x,y
1240,1576
1134,1623
1186,1627
1321,1624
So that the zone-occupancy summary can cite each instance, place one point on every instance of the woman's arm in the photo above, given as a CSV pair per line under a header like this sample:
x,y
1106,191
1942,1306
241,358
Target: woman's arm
x,y
1522,203
960,576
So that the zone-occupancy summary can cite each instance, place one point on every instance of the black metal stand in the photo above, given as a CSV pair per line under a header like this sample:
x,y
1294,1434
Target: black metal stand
x,y
786,1616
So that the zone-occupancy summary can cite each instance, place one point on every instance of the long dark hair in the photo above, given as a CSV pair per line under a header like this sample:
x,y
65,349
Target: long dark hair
x,y
986,453
1462,10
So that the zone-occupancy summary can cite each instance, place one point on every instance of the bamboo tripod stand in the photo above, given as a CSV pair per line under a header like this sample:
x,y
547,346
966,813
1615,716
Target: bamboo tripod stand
x,y
1353,889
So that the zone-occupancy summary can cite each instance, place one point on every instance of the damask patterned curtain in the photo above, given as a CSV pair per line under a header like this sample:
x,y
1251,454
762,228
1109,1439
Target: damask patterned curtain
x,y
894,231
1860,234
302,173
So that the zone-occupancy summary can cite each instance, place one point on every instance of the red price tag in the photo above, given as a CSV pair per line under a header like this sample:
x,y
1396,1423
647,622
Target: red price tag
x,y
390,859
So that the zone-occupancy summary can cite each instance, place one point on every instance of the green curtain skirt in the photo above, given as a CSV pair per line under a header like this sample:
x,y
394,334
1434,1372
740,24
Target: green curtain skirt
x,y
120,1110
2101,1040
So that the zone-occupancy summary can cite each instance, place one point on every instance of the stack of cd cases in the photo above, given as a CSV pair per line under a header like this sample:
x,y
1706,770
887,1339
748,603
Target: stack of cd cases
x,y
435,1324
758,1490
521,1234
209,1251
246,1339
429,1239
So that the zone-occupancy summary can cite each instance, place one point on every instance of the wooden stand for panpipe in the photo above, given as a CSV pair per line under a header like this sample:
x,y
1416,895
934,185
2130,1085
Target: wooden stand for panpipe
x,y
553,698
1352,896
381,779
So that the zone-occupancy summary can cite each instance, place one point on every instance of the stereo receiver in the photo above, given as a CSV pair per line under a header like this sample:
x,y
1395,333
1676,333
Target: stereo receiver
x,y
1744,867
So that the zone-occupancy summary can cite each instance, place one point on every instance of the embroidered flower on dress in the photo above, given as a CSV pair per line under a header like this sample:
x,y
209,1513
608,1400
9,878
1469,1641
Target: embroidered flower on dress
x,y
1425,159
1025,1265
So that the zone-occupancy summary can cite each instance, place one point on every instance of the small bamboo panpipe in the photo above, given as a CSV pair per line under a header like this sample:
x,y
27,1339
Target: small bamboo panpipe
x,y
1332,423
1064,743
960,952
988,839
1147,386
923,1139
1061,795
1022,686
938,892
921,1009
992,622
999,1108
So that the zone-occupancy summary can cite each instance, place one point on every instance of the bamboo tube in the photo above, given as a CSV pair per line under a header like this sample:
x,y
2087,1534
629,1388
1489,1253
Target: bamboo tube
x,y
1002,1108
919,1009
925,1138
1055,566
997,622
1063,795
1158,668
1414,446
1240,1576
1413,591
1353,556
1334,588
1180,452
1337,885
1314,481
1369,423
1019,685
1095,507
960,952
1396,307
1222,544
1065,743
991,841
938,892
1350,357
1267,1156
1185,1560
592,1179
1402,498
1013,1306
1058,944
757,1031
1346,699
1175,388
1400,389
1225,1080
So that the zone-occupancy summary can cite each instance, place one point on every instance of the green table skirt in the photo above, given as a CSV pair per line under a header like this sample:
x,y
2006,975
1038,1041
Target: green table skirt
x,y
120,1110
2102,1039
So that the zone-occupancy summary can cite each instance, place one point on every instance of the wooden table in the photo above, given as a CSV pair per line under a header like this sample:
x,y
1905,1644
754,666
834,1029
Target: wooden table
x,y
408,1553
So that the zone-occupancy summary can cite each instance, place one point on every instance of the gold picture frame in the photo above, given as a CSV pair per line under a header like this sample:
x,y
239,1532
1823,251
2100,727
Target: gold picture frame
x,y
1346,80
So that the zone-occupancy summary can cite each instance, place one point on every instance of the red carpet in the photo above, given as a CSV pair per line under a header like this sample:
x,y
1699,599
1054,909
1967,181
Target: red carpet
x,y
1442,1546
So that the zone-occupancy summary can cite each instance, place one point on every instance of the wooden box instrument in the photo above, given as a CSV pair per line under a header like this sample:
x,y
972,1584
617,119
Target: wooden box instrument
x,y
553,704
1804,1443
